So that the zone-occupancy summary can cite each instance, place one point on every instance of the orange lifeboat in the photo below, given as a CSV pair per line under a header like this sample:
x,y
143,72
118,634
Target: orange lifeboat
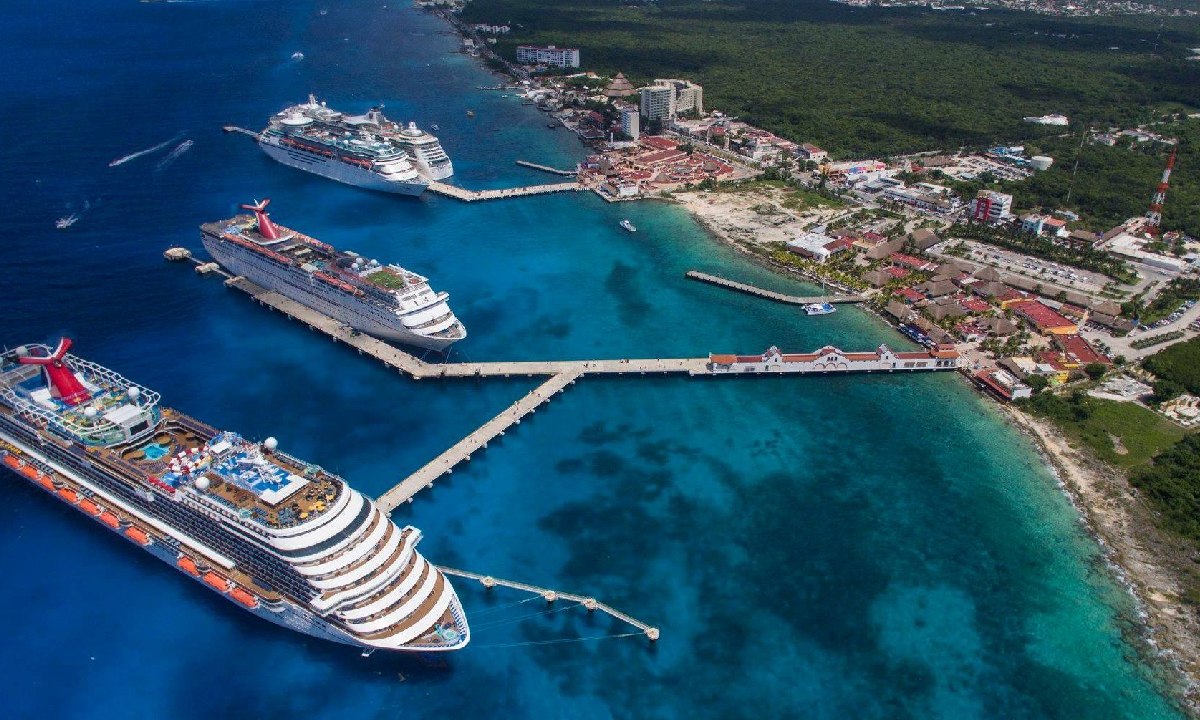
x,y
244,598
46,482
216,582
69,495
110,520
89,507
138,535
30,471
12,461
185,563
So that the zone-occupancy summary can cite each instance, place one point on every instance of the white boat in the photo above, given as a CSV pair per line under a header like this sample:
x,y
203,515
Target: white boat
x,y
66,222
822,308
628,225
297,55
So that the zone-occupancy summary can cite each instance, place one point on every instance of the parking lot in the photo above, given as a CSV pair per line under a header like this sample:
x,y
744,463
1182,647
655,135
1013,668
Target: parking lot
x,y
1050,274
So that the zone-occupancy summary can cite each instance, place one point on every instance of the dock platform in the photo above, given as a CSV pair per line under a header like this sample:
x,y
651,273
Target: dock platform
x,y
463,449
769,294
243,131
547,168
418,369
453,191
550,596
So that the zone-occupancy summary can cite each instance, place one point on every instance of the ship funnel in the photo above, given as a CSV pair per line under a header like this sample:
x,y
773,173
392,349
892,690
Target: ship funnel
x,y
59,376
265,227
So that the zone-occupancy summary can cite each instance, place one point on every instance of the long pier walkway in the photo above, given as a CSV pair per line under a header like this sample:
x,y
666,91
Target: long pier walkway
x,y
589,603
463,449
243,131
417,369
769,294
547,168
453,191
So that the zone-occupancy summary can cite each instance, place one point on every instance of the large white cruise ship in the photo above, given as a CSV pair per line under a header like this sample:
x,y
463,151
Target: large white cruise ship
x,y
282,538
386,301
424,149
312,138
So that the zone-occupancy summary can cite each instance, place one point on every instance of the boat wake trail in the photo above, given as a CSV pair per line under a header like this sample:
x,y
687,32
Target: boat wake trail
x,y
172,156
147,151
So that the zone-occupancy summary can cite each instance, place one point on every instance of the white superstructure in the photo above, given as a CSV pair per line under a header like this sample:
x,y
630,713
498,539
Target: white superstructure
x,y
425,150
313,138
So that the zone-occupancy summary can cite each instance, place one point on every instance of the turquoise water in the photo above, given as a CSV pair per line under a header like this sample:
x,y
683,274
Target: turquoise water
x,y
826,547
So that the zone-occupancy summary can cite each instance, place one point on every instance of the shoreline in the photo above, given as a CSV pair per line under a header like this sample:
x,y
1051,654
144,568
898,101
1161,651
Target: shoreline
x,y
1139,557
1142,558
1168,637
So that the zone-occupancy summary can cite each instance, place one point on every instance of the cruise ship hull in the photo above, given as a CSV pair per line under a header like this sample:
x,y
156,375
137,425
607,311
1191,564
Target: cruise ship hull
x,y
341,172
75,485
294,284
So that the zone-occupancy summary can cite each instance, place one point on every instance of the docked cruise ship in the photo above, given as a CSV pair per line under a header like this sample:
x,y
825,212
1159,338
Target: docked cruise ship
x,y
282,538
313,118
386,301
312,138
424,149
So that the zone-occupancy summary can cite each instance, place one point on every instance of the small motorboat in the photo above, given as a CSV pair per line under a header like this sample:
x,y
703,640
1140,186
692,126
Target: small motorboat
x,y
627,225
66,222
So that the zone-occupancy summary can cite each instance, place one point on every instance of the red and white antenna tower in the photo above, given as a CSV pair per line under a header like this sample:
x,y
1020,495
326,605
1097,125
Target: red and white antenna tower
x,y
1154,214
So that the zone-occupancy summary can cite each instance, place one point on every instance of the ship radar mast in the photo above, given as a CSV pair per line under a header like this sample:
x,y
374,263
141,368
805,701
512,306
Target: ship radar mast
x,y
59,376
265,227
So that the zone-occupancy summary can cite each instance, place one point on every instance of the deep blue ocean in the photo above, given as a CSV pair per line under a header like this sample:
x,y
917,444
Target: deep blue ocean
x,y
856,547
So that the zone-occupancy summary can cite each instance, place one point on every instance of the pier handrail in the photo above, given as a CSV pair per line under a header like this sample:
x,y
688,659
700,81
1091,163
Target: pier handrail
x,y
552,595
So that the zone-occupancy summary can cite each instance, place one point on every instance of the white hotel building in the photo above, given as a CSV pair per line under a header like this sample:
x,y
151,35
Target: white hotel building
x,y
549,55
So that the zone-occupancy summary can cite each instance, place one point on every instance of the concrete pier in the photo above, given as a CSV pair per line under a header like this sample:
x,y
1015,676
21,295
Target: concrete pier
x,y
590,603
465,195
463,449
418,369
547,168
243,131
769,294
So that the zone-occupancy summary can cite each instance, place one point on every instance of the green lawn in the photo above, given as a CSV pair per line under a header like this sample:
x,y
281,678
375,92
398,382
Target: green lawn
x,y
801,200
1095,422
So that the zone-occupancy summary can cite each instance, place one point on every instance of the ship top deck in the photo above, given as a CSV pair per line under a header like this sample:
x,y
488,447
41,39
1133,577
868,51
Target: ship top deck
x,y
96,406
314,256
344,140
261,485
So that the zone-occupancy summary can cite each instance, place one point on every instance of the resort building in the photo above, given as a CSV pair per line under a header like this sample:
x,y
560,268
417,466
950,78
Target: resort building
x,y
657,102
549,55
688,95
808,151
990,206
668,97
1043,318
817,246
631,122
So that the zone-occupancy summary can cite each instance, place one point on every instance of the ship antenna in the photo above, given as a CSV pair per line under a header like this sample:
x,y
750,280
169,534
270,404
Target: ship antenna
x,y
265,227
